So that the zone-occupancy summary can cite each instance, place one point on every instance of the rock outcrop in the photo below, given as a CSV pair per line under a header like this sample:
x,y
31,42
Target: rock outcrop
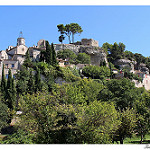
x,y
97,54
125,63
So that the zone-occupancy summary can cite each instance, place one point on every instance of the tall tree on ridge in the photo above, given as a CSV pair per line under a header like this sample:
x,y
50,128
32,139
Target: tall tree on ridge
x,y
68,31
54,60
75,28
61,29
48,54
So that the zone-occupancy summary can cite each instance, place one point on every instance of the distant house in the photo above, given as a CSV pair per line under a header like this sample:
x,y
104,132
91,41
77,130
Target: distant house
x,y
62,63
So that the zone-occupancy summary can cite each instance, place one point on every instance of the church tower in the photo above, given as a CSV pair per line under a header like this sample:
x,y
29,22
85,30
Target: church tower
x,y
20,40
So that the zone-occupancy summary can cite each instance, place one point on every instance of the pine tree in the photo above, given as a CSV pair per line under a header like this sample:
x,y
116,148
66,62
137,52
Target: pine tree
x,y
48,54
3,83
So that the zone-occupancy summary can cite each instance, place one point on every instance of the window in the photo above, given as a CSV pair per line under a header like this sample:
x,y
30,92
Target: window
x,y
12,65
22,49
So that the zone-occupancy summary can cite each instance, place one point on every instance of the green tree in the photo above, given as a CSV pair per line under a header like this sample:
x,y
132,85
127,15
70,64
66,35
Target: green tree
x,y
61,38
68,75
75,28
42,55
48,54
54,60
31,83
67,54
10,97
83,58
122,92
129,55
103,63
139,59
22,78
126,128
96,72
143,115
19,137
38,84
3,83
107,47
68,31
115,51
4,116
27,62
98,121
61,29
51,122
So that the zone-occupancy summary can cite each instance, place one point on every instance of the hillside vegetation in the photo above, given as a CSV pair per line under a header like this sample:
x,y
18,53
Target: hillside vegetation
x,y
69,106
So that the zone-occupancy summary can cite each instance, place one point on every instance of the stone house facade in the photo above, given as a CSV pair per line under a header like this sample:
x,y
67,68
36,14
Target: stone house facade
x,y
13,57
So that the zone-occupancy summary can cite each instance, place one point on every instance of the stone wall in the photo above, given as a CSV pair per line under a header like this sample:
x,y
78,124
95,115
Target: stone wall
x,y
89,42
72,47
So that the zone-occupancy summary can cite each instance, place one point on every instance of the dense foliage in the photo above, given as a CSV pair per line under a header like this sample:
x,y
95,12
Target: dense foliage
x,y
96,72
70,106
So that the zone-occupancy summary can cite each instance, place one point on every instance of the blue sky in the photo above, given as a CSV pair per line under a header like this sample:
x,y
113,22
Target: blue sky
x,y
127,24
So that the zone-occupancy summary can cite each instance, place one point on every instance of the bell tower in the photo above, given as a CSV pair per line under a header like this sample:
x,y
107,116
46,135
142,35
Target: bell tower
x,y
20,40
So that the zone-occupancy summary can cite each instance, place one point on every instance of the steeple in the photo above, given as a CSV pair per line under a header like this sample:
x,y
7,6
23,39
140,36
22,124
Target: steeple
x,y
20,40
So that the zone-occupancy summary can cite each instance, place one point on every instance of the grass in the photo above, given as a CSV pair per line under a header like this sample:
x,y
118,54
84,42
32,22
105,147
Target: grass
x,y
136,140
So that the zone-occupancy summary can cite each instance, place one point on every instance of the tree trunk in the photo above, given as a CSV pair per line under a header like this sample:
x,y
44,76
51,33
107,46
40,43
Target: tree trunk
x,y
69,39
121,140
72,38
141,139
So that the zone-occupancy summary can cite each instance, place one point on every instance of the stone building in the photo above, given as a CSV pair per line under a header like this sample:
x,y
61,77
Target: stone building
x,y
13,57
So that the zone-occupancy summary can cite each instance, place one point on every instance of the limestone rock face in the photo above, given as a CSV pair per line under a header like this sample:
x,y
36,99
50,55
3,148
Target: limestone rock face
x,y
72,47
143,68
97,54
125,63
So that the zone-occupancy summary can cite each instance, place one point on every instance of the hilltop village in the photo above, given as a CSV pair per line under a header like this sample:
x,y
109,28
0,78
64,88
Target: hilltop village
x,y
14,56
77,93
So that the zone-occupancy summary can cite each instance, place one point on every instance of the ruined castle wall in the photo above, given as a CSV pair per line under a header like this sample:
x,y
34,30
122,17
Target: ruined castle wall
x,y
89,42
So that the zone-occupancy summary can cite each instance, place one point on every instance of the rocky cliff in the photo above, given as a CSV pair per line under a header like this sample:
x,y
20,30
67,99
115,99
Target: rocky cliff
x,y
97,54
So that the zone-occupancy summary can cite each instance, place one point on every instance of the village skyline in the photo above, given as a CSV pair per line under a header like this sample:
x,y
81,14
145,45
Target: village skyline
x,y
126,24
